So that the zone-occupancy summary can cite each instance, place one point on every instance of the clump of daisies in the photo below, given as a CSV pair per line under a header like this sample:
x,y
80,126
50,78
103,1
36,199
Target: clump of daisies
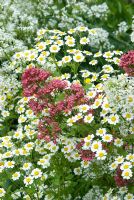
x,y
120,95
18,31
9,91
72,110
68,132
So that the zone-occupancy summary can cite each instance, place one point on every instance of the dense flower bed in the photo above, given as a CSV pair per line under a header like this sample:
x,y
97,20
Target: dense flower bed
x,y
66,103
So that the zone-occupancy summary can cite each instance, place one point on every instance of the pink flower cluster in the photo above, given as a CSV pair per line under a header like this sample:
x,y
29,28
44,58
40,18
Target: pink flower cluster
x,y
127,62
44,92
120,182
31,79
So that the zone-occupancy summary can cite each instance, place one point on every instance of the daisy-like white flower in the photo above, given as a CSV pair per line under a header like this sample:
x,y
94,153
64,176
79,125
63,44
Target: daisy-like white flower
x,y
41,46
71,31
54,48
22,119
101,154
128,116
118,142
82,28
93,62
108,54
26,53
77,171
41,59
113,166
96,145
84,108
107,138
16,176
88,53
68,37
105,105
119,159
78,116
116,60
75,155
26,166
67,149
70,42
107,69
66,59
8,154
85,73
126,165
97,103
86,145
28,180
130,157
101,131
104,77
54,148
78,57
59,42
129,196
130,99
113,119
9,164
36,173
103,113
117,52
84,40
70,121
16,152
18,134
127,174
2,192
88,118
21,109
88,138
32,56
65,76
18,55
85,164
44,163
98,54
29,113
91,94
99,87
45,53
29,146
92,32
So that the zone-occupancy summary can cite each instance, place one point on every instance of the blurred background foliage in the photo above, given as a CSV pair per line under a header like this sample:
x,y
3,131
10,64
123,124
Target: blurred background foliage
x,y
20,20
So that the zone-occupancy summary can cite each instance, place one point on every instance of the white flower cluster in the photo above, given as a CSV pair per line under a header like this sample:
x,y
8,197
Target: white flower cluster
x,y
120,94
121,194
101,38
18,28
98,11
17,32
122,27
9,87
94,193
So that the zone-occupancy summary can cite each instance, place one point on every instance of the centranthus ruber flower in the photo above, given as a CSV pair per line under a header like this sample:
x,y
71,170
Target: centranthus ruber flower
x,y
127,62
44,94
